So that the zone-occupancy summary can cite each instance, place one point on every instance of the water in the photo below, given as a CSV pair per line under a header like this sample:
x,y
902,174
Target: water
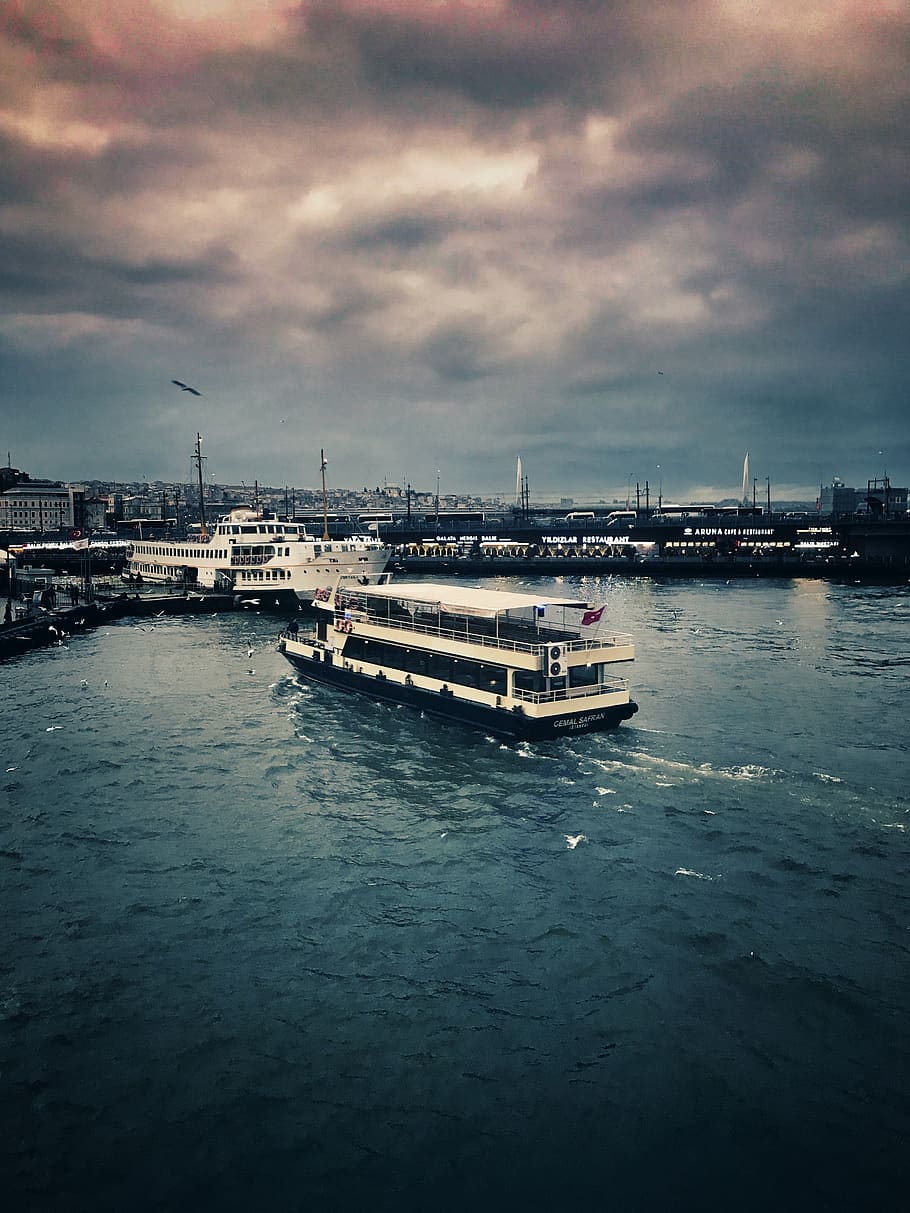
x,y
269,946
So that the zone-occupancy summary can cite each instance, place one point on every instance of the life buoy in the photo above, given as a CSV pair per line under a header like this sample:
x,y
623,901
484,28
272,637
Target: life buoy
x,y
555,653
555,669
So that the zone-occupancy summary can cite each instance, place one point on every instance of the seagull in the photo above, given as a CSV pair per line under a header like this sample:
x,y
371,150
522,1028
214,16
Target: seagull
x,y
572,840
185,387
249,651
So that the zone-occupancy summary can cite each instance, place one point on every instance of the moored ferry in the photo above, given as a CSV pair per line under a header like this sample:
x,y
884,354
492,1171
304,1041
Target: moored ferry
x,y
512,663
249,555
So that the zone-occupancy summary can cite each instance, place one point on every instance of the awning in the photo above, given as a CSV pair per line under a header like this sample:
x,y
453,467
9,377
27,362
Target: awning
x,y
466,600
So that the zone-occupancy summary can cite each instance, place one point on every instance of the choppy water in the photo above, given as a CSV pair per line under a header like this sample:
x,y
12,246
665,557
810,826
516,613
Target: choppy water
x,y
271,947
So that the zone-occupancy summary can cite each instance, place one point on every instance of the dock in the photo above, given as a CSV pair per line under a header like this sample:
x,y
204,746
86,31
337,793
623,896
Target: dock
x,y
49,627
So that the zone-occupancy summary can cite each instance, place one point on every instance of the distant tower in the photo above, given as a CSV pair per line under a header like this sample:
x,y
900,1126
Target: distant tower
x,y
745,496
518,484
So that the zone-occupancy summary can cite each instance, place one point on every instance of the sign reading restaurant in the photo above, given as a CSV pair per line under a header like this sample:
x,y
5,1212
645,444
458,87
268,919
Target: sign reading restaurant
x,y
732,532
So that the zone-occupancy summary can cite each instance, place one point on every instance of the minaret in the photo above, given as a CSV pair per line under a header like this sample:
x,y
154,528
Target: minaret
x,y
745,496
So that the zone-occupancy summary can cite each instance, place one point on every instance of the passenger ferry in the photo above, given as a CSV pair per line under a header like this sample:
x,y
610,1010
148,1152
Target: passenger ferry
x,y
248,555
533,666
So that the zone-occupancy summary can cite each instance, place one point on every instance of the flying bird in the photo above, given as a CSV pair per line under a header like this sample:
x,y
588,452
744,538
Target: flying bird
x,y
185,387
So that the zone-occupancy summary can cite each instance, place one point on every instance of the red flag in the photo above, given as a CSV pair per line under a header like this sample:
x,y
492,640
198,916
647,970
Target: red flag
x,y
590,617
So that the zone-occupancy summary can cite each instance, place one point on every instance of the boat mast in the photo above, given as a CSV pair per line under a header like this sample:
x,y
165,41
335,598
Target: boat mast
x,y
325,500
198,458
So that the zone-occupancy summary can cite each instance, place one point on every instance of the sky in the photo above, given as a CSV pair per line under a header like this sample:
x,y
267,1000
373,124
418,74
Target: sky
x,y
625,240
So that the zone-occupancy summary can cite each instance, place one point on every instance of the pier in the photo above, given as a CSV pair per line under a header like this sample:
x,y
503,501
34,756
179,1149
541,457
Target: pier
x,y
48,627
691,547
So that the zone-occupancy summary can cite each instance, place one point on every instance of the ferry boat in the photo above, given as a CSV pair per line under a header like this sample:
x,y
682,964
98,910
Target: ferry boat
x,y
514,664
251,556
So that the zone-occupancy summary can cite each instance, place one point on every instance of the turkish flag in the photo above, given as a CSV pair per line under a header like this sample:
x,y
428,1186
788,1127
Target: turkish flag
x,y
590,617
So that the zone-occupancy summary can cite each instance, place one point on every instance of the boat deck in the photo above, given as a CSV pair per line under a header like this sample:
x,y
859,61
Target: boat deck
x,y
507,634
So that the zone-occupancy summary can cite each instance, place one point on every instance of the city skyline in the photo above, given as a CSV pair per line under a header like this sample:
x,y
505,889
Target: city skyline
x,y
637,493
626,243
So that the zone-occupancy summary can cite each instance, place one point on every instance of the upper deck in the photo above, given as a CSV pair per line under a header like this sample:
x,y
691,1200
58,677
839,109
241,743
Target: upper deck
x,y
451,618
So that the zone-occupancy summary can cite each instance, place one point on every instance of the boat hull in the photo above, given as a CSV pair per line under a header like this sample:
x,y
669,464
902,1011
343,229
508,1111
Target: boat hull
x,y
501,722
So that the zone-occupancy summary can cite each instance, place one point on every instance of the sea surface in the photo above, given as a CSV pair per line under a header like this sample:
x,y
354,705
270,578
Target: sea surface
x,y
272,947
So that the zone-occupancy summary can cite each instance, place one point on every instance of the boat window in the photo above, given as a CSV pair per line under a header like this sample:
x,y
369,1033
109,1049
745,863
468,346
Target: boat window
x,y
527,680
585,675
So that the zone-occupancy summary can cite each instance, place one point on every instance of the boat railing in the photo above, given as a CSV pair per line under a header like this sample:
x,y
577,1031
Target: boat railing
x,y
605,687
492,640
189,542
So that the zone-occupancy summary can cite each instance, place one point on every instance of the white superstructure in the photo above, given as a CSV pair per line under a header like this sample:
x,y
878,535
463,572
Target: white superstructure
x,y
247,555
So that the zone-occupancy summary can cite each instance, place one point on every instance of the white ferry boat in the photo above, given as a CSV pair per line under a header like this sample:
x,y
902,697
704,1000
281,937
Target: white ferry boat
x,y
250,556
514,664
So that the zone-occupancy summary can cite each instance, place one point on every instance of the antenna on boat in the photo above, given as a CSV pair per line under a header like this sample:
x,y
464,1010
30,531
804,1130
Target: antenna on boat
x,y
198,460
325,501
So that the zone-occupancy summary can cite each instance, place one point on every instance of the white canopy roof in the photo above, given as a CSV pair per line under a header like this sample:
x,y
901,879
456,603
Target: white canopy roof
x,y
467,600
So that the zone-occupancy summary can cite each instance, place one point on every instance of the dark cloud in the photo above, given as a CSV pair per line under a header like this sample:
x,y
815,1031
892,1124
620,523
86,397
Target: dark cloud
x,y
48,269
403,232
460,351
519,55
408,225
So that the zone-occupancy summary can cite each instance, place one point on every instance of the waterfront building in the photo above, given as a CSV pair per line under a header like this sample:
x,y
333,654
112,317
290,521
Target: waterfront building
x,y
95,516
879,498
42,506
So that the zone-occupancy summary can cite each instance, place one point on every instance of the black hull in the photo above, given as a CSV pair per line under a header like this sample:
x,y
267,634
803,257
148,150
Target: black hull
x,y
498,721
266,600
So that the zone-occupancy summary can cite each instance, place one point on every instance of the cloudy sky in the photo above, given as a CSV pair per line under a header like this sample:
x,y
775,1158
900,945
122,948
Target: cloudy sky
x,y
623,239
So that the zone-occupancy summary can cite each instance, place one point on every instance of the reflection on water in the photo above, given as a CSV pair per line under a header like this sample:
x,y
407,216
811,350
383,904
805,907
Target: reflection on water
x,y
267,944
